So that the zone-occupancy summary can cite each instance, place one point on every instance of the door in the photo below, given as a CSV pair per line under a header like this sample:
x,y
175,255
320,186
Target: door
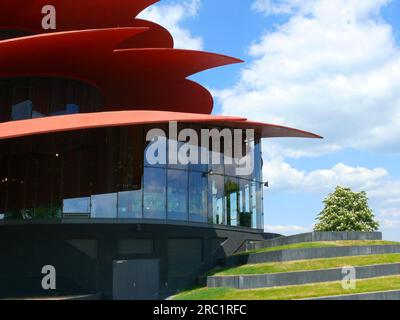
x,y
136,279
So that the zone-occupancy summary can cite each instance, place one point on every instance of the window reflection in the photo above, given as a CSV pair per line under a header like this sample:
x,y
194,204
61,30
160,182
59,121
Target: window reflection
x,y
245,214
231,203
130,204
78,205
198,189
22,110
27,98
217,193
104,206
154,199
177,195
103,174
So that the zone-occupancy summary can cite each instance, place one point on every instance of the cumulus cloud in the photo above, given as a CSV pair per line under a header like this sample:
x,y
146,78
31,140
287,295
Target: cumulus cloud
x,y
286,229
282,176
273,7
171,17
332,68
383,192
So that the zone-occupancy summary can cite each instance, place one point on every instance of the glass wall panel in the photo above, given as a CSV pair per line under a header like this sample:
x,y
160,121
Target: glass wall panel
x,y
154,197
26,98
258,164
217,195
198,190
177,195
104,206
101,173
155,153
130,204
231,200
244,203
77,205
253,198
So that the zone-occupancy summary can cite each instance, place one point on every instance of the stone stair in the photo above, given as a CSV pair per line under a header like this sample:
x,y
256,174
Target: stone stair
x,y
305,254
299,277
254,281
311,237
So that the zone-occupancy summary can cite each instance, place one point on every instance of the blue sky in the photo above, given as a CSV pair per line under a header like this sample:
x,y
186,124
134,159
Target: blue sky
x,y
327,66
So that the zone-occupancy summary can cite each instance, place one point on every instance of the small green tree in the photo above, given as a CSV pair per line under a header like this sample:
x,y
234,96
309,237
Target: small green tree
x,y
346,210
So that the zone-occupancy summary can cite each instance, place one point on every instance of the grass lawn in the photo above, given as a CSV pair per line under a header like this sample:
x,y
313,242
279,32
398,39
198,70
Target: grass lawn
x,y
323,244
302,265
292,292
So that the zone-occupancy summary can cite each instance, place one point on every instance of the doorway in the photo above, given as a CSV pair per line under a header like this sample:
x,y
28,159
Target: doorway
x,y
136,279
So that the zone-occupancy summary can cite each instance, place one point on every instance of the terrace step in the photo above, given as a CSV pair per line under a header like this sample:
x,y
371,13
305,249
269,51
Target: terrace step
x,y
307,253
378,295
311,237
300,277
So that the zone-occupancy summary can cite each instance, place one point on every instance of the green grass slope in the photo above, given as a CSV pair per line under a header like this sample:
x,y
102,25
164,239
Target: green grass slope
x,y
323,244
292,292
303,265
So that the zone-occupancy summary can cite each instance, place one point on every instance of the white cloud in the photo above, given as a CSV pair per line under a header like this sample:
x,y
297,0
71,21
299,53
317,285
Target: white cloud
x,y
333,68
272,7
383,192
390,213
282,176
171,17
286,229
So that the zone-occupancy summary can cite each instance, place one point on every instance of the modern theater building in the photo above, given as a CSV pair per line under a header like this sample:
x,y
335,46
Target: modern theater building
x,y
77,192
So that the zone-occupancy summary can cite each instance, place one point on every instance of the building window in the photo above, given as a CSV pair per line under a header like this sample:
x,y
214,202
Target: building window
x,y
104,206
102,173
154,196
217,194
130,204
77,205
198,190
177,195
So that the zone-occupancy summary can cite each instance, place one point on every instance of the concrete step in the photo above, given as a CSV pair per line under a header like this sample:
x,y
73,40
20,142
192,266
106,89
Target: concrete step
x,y
300,277
379,295
312,237
307,253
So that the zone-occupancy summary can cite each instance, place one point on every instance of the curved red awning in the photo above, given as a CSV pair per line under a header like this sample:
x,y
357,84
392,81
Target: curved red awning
x,y
26,15
128,78
14,129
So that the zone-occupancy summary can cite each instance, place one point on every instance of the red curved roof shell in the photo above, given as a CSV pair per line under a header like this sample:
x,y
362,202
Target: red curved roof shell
x,y
15,129
128,78
131,61
26,15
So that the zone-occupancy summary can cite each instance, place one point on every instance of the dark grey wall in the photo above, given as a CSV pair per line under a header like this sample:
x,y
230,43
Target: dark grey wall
x,y
312,237
83,254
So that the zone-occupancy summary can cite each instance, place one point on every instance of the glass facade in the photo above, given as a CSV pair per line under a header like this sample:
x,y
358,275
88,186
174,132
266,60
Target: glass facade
x,y
104,174
27,98
11,34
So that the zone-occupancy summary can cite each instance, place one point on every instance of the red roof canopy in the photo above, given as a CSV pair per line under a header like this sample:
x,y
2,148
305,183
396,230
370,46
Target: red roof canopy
x,y
131,61
14,129
26,15
133,78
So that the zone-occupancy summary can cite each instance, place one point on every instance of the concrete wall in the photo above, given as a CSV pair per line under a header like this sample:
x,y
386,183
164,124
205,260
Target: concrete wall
x,y
301,277
314,236
308,253
25,248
